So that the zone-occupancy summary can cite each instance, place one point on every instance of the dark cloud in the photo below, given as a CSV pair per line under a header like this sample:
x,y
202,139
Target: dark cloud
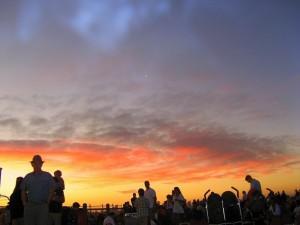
x,y
12,124
64,132
25,143
57,145
192,118
37,121
295,163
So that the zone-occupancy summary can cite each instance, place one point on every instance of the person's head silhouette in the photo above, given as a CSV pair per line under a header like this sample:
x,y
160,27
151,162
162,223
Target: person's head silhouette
x,y
37,163
141,192
147,184
248,178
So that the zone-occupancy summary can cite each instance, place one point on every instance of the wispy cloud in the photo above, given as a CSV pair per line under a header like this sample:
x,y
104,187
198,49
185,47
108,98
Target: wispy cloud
x,y
184,156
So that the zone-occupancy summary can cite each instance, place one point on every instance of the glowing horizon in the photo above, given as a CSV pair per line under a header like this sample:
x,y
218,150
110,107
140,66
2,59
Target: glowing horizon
x,y
99,177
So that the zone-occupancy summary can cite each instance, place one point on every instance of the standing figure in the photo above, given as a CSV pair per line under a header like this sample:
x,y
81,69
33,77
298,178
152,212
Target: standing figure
x,y
132,201
142,208
16,205
58,198
178,207
150,194
60,183
169,206
296,212
255,187
37,191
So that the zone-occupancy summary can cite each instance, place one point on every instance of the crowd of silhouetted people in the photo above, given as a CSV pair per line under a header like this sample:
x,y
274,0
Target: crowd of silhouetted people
x,y
255,208
38,198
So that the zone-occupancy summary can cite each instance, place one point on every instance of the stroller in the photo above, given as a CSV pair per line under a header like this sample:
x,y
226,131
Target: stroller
x,y
214,208
232,207
224,209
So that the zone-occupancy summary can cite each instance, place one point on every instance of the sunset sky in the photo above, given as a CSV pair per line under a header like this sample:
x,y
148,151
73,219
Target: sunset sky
x,y
188,93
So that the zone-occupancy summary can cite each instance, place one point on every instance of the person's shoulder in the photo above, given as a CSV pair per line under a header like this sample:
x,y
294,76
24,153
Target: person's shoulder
x,y
28,175
152,190
26,179
48,175
149,190
254,182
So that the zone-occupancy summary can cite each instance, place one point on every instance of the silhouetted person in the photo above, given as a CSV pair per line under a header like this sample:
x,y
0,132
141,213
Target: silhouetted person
x,y
178,206
37,191
283,196
169,205
244,198
16,205
83,215
58,198
142,208
274,211
73,214
296,212
107,208
255,187
127,207
109,219
60,181
150,194
133,200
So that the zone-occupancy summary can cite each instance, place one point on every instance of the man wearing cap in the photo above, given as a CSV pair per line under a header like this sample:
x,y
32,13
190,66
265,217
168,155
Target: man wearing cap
x,y
37,190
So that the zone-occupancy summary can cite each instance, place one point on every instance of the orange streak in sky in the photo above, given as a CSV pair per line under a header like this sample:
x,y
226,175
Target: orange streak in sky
x,y
103,172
